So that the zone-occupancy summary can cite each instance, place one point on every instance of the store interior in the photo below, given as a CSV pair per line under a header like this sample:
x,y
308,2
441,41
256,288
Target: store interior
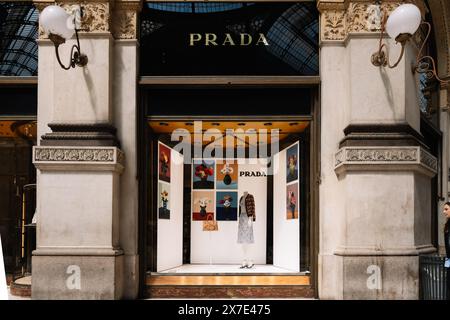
x,y
234,200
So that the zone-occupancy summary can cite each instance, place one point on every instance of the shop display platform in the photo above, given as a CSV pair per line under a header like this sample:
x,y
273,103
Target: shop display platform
x,y
226,269
223,281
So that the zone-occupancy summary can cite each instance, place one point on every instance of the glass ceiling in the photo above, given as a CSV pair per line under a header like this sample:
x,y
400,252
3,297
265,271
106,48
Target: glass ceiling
x,y
192,7
18,33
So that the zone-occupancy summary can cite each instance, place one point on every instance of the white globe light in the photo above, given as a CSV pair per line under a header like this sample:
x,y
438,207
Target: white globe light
x,y
405,19
55,20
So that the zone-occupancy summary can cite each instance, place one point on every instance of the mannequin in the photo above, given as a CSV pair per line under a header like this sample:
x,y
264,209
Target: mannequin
x,y
245,227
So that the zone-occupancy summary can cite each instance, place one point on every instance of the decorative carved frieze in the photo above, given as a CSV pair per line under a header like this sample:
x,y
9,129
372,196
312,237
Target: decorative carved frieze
x,y
393,157
96,16
428,160
55,158
119,17
124,24
334,25
341,19
63,154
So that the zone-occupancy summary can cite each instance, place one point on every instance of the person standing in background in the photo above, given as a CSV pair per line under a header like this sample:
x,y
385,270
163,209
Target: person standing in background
x,y
446,212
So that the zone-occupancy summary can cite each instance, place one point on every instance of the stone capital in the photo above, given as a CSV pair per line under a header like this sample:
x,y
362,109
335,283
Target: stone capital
x,y
340,18
125,19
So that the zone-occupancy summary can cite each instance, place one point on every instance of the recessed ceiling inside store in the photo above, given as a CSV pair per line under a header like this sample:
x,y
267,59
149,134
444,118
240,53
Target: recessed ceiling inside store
x,y
240,129
15,129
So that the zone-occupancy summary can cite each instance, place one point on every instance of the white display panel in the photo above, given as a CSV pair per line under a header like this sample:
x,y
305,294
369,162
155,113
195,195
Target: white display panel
x,y
170,231
221,247
286,232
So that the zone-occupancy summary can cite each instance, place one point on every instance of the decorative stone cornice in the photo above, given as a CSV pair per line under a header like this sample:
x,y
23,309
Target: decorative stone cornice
x,y
385,158
78,158
334,25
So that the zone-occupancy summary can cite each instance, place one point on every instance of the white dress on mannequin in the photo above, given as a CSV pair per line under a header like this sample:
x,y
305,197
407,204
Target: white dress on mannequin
x,y
245,232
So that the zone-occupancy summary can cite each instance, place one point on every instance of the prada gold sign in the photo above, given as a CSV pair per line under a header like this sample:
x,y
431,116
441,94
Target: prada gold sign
x,y
277,38
212,39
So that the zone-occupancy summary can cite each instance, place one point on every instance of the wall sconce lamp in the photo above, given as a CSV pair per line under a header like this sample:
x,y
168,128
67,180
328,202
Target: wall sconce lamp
x,y
402,23
60,26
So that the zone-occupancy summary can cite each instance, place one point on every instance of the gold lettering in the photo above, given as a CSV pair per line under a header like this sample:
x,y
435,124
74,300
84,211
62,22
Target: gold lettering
x,y
210,38
194,37
262,39
249,38
228,39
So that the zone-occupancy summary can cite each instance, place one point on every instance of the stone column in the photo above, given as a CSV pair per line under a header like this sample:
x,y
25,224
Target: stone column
x,y
86,194
126,46
375,196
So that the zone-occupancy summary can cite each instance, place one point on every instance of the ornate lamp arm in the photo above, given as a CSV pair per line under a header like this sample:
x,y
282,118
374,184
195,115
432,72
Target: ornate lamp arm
x,y
381,58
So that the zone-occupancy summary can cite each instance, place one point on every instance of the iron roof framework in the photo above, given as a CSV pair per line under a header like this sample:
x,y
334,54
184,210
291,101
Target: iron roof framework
x,y
18,33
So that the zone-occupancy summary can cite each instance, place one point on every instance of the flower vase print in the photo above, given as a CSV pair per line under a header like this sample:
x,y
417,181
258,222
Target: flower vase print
x,y
202,205
163,203
292,201
164,163
292,163
203,175
226,206
226,175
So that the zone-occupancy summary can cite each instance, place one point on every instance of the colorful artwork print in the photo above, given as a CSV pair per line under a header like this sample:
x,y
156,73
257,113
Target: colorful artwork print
x,y
226,175
226,206
164,163
292,163
203,174
163,200
292,201
202,205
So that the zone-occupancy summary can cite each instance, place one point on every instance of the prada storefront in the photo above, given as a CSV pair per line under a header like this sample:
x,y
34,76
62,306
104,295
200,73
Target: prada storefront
x,y
228,144
228,149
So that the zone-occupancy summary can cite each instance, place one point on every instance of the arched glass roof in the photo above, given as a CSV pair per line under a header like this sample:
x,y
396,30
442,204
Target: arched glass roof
x,y
196,7
18,33
294,39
